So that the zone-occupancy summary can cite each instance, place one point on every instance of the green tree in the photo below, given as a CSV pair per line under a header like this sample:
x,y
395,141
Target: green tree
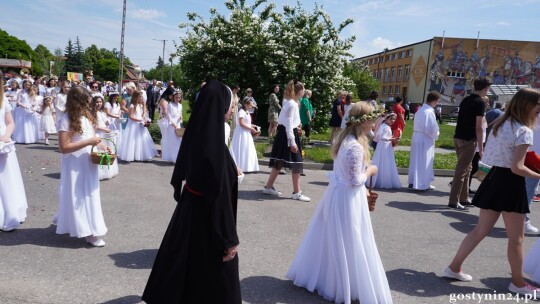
x,y
69,53
93,55
363,80
42,61
13,48
106,69
257,47
59,67
159,63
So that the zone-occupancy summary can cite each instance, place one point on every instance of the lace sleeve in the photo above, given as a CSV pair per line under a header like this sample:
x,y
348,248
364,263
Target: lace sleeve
x,y
355,165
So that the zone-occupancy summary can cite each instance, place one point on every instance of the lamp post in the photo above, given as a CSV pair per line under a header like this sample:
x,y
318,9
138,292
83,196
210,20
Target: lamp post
x,y
162,57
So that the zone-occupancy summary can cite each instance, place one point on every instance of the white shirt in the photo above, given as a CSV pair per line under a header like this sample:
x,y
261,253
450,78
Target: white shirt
x,y
500,149
289,117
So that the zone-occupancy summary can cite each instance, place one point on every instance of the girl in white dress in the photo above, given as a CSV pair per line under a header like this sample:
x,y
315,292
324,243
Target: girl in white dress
x,y
136,144
27,129
13,203
79,208
163,123
47,124
60,102
13,94
114,114
105,171
242,147
387,176
174,117
338,256
346,109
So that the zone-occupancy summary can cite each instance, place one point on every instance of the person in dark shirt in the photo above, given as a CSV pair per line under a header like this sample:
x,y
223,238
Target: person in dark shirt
x,y
492,115
466,137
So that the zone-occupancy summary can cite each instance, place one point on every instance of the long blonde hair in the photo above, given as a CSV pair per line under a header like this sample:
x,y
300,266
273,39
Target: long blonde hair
x,y
355,129
519,109
2,89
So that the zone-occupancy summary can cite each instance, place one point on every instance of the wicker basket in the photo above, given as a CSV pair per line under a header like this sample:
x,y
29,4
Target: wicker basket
x,y
103,158
372,196
179,132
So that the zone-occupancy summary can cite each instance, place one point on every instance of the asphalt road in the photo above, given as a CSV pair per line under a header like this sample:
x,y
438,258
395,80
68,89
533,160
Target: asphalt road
x,y
415,233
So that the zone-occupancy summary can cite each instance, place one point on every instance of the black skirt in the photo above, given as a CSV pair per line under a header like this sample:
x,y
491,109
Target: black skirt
x,y
281,155
501,190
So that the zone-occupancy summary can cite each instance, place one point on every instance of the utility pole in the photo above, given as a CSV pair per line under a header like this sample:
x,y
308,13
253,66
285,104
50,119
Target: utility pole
x,y
170,59
121,72
162,57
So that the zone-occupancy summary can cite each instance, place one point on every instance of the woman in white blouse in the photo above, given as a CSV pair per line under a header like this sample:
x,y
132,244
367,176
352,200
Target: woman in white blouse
x,y
287,150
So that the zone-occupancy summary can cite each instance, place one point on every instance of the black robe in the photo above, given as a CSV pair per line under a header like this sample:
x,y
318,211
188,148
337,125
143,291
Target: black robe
x,y
189,266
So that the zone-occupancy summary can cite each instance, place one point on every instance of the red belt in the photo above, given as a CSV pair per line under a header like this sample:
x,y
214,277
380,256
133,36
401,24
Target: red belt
x,y
192,191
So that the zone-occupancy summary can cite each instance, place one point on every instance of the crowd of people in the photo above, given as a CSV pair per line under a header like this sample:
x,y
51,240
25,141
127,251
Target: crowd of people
x,y
198,257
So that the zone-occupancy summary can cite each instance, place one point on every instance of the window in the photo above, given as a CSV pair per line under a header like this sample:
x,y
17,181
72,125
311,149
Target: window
x,y
399,73
395,56
376,60
387,57
375,74
390,90
380,74
393,74
407,72
456,74
397,90
409,53
384,90
386,72
402,54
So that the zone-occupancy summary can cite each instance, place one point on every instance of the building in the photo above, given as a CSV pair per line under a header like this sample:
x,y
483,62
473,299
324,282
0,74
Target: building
x,y
450,65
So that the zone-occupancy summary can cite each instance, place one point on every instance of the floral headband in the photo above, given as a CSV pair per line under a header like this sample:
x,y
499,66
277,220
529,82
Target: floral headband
x,y
363,117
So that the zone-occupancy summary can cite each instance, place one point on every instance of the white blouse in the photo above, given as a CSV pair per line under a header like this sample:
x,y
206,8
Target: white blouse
x,y
289,117
500,149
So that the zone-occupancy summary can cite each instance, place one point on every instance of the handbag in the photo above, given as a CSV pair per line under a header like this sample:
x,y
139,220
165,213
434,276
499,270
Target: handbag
x,y
179,132
372,196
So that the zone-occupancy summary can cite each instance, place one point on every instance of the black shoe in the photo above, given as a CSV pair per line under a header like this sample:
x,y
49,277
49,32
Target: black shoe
x,y
458,207
302,174
472,191
410,186
467,204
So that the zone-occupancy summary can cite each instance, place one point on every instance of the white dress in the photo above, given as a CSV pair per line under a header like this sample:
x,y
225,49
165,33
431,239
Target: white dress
x,y
347,110
47,123
26,123
338,256
242,147
387,175
136,143
79,208
531,264
107,171
425,132
13,202
169,150
163,123
60,107
114,123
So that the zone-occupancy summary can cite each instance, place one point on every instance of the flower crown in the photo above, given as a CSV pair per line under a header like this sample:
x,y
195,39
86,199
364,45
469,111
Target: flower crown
x,y
363,117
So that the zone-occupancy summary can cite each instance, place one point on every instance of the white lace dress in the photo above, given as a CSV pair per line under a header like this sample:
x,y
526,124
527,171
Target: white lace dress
x,y
13,202
136,143
387,176
79,208
242,147
26,123
114,123
107,171
47,123
170,147
338,256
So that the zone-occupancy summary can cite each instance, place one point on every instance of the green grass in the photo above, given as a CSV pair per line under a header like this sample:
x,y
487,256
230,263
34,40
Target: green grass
x,y
442,160
261,148
319,154
445,141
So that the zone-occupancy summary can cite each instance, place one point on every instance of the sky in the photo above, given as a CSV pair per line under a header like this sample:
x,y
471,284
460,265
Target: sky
x,y
378,24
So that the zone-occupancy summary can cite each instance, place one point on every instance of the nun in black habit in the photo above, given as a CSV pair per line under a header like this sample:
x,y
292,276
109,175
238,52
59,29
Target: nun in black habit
x,y
197,260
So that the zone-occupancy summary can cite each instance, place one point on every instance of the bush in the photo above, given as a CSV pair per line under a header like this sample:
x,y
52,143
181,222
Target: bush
x,y
155,132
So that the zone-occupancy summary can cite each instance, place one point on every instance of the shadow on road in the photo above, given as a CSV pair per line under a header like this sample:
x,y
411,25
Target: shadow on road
x,y
415,206
53,175
257,195
140,259
46,237
270,290
125,300
427,284
51,148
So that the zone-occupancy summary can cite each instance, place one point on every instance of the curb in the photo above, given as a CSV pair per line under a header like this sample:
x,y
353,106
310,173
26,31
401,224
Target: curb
x,y
330,167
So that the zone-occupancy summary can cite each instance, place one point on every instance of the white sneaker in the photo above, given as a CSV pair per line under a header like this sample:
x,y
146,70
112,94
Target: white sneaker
x,y
525,290
95,241
447,272
300,197
530,229
271,191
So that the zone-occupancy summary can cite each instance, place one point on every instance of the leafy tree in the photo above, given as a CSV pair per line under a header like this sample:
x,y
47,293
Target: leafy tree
x,y
69,53
76,60
59,67
13,48
257,47
159,63
93,55
106,69
42,61
362,78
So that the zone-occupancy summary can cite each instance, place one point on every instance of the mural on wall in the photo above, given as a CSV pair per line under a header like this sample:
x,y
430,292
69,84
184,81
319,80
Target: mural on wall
x,y
455,63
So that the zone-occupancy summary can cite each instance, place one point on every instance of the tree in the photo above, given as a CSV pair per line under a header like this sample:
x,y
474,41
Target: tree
x,y
42,61
159,63
76,60
93,55
362,78
59,66
69,53
257,47
106,69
